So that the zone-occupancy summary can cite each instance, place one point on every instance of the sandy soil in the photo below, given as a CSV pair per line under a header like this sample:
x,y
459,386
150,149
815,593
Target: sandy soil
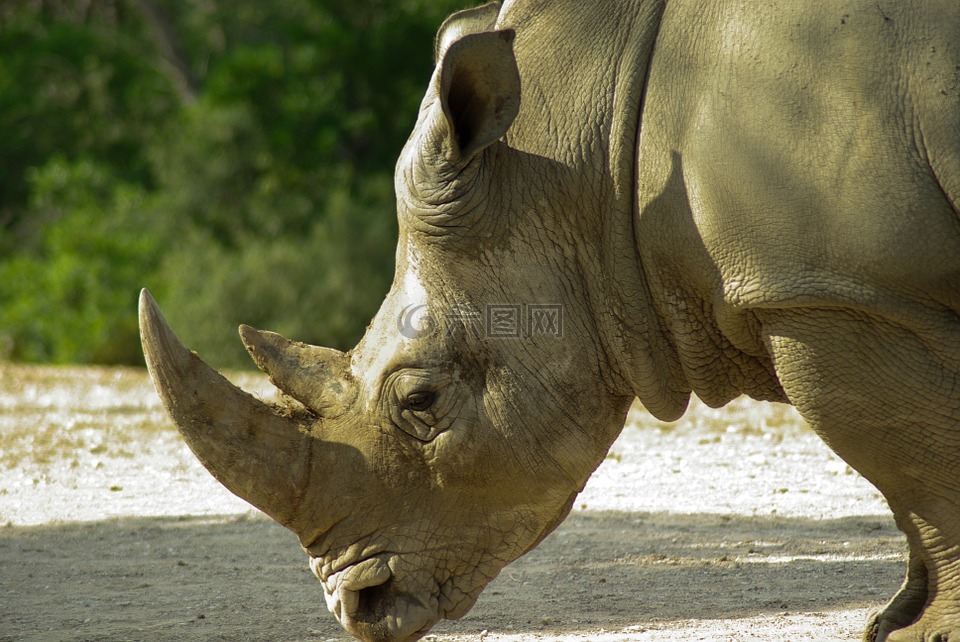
x,y
733,524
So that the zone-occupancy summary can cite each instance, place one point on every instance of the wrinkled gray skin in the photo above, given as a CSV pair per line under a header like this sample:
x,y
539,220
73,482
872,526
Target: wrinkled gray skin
x,y
727,197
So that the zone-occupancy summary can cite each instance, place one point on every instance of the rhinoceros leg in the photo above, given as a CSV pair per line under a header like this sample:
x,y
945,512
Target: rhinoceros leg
x,y
906,605
939,619
884,393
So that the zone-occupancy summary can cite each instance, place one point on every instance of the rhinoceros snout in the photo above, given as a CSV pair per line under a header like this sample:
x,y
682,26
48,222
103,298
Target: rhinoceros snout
x,y
383,616
367,602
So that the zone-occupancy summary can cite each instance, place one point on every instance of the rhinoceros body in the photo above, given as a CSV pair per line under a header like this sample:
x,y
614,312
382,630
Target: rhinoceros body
x,y
609,200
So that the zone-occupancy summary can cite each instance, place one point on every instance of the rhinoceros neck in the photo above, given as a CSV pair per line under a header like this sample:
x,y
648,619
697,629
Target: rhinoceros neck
x,y
581,107
634,336
580,113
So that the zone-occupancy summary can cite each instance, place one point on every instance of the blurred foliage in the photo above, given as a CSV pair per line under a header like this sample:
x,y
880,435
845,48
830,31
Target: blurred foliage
x,y
235,157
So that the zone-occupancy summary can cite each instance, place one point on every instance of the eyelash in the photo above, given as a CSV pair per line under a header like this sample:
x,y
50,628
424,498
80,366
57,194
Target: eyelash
x,y
420,401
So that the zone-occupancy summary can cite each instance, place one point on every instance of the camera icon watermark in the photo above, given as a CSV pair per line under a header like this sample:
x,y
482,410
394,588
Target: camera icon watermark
x,y
415,321
494,321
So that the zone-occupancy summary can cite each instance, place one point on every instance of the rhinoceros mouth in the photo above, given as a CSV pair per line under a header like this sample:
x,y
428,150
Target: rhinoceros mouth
x,y
370,603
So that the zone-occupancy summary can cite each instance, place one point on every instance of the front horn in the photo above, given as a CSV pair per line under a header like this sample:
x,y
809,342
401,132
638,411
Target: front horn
x,y
259,453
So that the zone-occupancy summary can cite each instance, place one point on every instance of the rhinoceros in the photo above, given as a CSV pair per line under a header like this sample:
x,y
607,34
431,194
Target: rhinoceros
x,y
604,201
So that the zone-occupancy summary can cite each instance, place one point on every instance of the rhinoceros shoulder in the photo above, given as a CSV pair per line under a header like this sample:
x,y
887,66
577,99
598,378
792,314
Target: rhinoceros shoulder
x,y
807,153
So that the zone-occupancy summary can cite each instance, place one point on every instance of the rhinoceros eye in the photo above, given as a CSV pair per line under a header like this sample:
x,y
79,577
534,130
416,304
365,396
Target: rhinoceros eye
x,y
420,401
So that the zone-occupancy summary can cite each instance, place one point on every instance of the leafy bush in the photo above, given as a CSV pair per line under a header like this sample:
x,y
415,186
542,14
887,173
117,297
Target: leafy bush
x,y
321,287
72,296
234,157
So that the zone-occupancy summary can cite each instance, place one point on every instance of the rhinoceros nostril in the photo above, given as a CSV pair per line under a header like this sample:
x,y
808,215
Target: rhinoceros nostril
x,y
353,585
383,613
375,602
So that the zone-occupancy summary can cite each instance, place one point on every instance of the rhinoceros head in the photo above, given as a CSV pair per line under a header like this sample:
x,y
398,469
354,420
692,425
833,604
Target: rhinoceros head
x,y
457,434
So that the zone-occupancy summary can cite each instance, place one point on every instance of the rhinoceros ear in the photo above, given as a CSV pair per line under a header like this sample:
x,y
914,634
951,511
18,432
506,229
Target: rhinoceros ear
x,y
475,20
479,91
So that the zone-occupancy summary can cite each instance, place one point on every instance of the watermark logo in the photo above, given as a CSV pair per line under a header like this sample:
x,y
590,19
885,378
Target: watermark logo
x,y
496,321
546,319
415,321
504,321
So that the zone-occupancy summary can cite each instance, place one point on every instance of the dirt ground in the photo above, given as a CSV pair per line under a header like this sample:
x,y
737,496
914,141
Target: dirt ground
x,y
732,524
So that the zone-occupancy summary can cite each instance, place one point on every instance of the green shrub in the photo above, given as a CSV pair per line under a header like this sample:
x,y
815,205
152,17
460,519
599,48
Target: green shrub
x,y
72,296
321,287
238,162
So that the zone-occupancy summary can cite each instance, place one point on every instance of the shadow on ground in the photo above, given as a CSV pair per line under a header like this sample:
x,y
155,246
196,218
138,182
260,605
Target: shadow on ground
x,y
228,578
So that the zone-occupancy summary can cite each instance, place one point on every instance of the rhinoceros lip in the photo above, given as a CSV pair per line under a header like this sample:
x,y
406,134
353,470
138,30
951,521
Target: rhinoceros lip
x,y
326,562
343,584
343,591
332,572
369,573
